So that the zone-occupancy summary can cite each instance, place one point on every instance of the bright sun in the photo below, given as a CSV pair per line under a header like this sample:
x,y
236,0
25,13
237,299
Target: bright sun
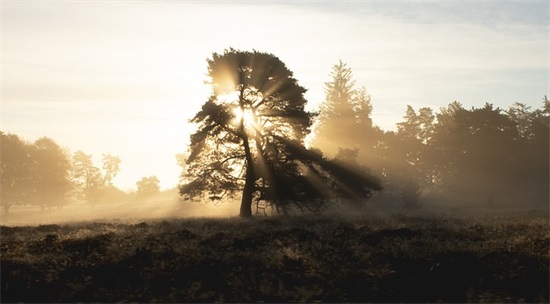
x,y
247,116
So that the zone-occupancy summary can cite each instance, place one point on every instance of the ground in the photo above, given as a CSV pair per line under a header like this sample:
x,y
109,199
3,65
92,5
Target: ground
x,y
406,256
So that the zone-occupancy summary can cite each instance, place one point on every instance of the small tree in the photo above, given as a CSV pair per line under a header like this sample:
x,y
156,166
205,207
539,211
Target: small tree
x,y
88,177
148,186
111,166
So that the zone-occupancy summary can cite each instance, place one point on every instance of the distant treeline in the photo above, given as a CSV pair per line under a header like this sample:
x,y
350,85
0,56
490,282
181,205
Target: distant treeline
x,y
484,153
45,175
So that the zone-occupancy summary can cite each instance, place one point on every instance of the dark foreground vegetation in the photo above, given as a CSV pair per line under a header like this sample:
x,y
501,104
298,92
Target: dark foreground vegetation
x,y
375,258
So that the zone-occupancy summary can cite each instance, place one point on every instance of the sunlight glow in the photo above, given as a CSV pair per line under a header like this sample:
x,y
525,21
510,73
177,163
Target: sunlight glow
x,y
247,117
131,89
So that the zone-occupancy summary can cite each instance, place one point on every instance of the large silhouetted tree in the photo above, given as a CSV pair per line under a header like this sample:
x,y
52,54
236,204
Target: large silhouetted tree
x,y
254,97
250,134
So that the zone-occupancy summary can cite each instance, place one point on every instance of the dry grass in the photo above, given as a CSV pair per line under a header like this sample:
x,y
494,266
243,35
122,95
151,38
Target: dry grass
x,y
375,258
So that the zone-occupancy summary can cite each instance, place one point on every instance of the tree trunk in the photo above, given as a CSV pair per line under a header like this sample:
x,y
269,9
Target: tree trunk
x,y
246,201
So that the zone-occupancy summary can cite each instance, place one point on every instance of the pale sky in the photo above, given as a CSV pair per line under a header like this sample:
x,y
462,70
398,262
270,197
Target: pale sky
x,y
124,77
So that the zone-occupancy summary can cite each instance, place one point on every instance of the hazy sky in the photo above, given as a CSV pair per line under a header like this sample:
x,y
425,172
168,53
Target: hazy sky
x,y
124,77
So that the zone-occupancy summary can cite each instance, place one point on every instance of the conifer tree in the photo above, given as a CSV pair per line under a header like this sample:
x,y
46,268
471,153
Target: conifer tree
x,y
345,117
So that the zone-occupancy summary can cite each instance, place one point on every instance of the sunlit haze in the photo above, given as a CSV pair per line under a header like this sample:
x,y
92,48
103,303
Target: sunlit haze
x,y
125,77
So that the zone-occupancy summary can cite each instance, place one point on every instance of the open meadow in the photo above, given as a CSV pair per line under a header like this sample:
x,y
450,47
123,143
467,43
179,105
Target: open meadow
x,y
274,151
380,255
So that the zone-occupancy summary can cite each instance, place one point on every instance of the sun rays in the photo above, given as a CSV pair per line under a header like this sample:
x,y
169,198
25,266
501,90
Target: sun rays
x,y
246,117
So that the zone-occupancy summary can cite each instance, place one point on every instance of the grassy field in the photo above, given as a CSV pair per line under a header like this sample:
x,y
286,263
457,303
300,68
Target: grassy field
x,y
404,257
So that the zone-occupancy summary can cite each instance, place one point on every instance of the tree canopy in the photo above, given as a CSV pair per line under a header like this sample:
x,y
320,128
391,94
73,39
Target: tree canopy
x,y
15,171
250,136
111,165
88,177
474,153
33,173
148,185
250,144
344,120
52,173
